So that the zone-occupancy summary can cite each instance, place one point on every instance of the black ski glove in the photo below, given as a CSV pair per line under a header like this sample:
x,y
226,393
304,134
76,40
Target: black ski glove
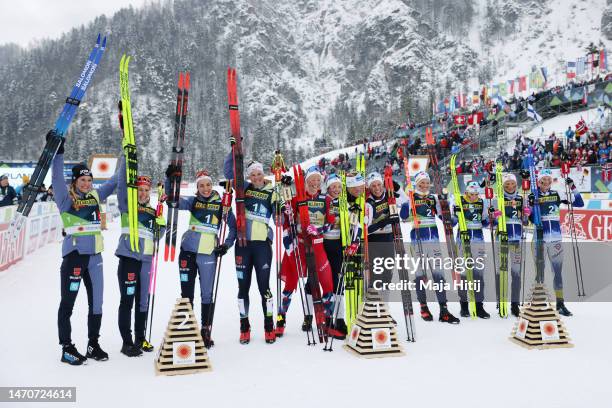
x,y
120,114
286,180
172,170
51,134
566,202
221,250
525,173
569,181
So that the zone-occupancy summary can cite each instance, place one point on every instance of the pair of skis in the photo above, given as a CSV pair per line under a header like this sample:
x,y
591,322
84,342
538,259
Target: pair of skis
x,y
464,235
278,168
398,244
565,169
129,149
502,233
353,282
287,197
57,136
176,161
309,249
234,114
442,198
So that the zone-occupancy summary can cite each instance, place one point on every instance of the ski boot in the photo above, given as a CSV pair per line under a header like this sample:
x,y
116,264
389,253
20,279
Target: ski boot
x,y
131,350
425,313
281,321
208,342
562,310
71,355
95,351
144,345
446,316
465,309
245,330
480,312
515,309
269,333
338,330
307,325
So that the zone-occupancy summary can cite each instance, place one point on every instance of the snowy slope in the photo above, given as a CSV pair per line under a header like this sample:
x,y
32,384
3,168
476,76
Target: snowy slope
x,y
547,33
470,365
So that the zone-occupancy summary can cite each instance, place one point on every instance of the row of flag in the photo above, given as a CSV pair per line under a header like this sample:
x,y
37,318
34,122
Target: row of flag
x,y
536,79
582,65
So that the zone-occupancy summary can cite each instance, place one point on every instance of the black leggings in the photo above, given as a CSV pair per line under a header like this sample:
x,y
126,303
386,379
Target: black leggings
x,y
333,249
257,255
76,267
129,278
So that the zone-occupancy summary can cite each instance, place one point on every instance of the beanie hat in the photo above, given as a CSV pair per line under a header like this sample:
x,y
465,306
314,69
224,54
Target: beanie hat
x,y
202,175
312,171
143,181
508,177
80,170
374,176
421,175
331,179
471,187
252,167
354,180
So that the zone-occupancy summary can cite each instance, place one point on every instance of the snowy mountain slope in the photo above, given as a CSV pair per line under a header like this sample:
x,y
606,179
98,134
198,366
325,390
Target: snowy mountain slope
x,y
307,69
547,33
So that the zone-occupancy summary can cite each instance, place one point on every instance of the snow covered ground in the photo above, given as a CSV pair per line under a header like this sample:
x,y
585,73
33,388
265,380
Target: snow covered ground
x,y
469,365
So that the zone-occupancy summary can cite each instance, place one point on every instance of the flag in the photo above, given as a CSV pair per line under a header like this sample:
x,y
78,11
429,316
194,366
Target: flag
x,y
522,83
603,60
580,66
531,113
503,88
511,86
475,98
602,115
581,127
452,104
475,118
463,100
544,73
459,120
571,70
585,95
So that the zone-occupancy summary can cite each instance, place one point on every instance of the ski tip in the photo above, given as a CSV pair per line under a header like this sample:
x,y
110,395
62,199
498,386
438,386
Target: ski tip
x,y
98,40
180,80
103,41
187,80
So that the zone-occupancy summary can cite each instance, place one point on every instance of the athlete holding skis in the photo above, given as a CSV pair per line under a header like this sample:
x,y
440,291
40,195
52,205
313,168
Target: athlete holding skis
x,y
379,223
476,218
426,207
259,201
549,202
517,217
200,246
321,221
79,207
135,267
336,254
